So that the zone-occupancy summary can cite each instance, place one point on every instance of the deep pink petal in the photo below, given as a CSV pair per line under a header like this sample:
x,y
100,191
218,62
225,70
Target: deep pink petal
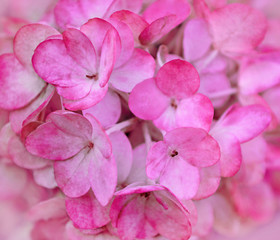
x,y
28,38
108,110
86,212
196,111
122,152
145,104
127,76
18,86
237,28
244,122
197,40
177,85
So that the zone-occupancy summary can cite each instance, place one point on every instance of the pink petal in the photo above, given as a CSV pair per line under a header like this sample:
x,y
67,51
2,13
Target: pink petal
x,y
271,97
95,95
80,49
108,57
138,168
17,85
167,217
86,212
157,160
22,116
196,111
127,76
72,175
96,29
210,178
45,177
136,23
52,62
122,152
181,178
145,104
237,28
132,223
167,120
127,41
251,78
197,40
133,6
177,85
103,177
22,157
50,142
162,8
194,145
245,122
28,38
231,158
107,111
75,13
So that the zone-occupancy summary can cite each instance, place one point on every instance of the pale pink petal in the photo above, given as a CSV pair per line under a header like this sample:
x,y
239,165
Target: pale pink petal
x,y
72,175
167,120
138,168
102,174
177,85
122,152
45,177
205,218
133,6
22,157
86,212
246,122
237,28
6,133
28,38
196,111
107,111
145,104
194,145
259,76
132,72
197,40
17,85
272,34
271,96
181,178
231,157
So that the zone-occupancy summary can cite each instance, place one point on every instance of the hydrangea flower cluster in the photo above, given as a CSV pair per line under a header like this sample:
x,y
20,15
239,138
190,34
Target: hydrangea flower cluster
x,y
143,119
